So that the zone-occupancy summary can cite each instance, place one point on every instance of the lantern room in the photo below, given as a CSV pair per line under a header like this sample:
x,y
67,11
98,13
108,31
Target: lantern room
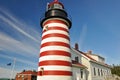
x,y
55,5
55,9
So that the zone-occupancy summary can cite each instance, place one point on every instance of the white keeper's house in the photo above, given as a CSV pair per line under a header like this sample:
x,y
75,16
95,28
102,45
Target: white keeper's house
x,y
88,66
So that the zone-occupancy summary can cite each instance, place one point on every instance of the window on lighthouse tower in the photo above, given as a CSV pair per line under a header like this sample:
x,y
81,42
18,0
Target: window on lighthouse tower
x,y
56,6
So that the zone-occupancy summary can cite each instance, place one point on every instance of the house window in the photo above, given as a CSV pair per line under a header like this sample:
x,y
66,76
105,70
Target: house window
x,y
34,77
101,72
98,72
77,59
107,72
81,73
94,72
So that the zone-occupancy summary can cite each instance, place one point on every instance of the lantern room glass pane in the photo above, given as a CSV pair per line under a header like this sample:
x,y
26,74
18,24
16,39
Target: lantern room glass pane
x,y
58,6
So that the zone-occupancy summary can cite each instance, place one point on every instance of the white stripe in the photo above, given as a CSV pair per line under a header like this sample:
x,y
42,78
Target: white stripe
x,y
61,68
53,77
54,57
47,48
56,24
55,31
56,39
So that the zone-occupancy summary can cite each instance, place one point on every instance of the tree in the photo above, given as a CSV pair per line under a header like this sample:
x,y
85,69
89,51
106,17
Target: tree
x,y
115,69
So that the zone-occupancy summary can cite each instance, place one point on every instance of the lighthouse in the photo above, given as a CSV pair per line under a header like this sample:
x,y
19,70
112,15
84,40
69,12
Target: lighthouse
x,y
55,58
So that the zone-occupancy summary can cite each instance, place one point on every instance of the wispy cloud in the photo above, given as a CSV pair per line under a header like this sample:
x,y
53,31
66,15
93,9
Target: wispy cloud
x,y
12,21
82,36
7,21
1,49
18,48
23,44
24,48
18,60
6,73
9,44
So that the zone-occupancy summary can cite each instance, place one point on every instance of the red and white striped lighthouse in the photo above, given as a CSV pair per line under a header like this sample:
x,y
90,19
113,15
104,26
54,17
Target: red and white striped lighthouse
x,y
55,57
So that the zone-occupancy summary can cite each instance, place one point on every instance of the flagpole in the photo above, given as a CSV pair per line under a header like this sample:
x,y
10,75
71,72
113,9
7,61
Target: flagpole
x,y
12,71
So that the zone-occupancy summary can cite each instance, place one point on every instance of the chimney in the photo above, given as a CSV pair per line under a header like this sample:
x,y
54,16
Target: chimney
x,y
89,52
76,46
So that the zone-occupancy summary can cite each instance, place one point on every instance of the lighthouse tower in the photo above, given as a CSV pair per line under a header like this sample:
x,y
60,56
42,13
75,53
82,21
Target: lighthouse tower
x,y
55,57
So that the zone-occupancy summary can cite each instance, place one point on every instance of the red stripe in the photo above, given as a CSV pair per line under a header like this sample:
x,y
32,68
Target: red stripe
x,y
55,72
54,62
55,43
55,21
55,52
56,28
55,35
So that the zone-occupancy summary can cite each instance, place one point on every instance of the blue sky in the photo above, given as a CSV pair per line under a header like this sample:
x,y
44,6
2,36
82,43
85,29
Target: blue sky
x,y
95,26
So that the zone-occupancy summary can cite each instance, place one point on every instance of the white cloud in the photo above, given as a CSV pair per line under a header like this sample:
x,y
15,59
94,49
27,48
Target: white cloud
x,y
28,47
19,25
11,71
82,36
1,49
18,60
7,21
10,44
22,46
6,73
